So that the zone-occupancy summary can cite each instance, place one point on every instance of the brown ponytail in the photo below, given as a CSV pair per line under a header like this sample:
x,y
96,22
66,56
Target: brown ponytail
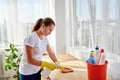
x,y
47,21
37,25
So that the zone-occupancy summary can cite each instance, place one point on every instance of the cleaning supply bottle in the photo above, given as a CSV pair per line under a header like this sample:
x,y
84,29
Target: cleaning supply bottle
x,y
45,73
102,57
91,58
97,53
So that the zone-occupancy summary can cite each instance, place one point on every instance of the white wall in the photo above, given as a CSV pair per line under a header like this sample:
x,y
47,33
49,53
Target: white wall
x,y
64,23
60,26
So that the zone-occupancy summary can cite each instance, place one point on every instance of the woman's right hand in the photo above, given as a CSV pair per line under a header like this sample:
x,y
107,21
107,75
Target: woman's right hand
x,y
48,65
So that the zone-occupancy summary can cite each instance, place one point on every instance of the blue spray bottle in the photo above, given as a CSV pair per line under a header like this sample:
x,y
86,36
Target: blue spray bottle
x,y
91,58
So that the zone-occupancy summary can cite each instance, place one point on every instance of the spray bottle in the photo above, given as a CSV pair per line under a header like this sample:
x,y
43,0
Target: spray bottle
x,y
101,59
45,73
91,58
97,53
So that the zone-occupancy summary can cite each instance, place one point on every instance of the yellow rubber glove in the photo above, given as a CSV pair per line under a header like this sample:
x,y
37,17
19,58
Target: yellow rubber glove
x,y
48,65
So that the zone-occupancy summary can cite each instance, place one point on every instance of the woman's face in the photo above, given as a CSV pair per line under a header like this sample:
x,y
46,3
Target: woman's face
x,y
47,30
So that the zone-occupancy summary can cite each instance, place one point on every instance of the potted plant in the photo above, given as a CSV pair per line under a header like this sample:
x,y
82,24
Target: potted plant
x,y
12,59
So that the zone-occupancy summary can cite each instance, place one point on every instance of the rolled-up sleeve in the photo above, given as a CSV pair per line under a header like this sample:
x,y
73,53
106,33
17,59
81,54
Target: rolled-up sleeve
x,y
30,41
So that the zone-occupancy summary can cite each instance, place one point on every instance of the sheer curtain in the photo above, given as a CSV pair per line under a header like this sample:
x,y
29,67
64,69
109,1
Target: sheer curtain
x,y
17,18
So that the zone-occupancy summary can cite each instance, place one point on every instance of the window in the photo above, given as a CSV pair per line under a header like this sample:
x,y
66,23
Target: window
x,y
83,20
17,18
97,24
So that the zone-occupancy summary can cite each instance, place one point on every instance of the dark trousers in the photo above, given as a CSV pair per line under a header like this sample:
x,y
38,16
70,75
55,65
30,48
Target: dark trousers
x,y
36,76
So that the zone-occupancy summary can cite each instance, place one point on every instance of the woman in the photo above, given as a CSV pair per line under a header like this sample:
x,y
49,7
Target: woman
x,y
35,45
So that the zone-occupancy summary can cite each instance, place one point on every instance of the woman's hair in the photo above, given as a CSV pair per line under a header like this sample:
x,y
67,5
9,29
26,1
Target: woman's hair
x,y
47,21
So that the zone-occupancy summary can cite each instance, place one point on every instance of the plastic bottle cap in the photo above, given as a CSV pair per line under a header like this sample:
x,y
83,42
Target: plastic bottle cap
x,y
102,50
92,51
97,48
91,54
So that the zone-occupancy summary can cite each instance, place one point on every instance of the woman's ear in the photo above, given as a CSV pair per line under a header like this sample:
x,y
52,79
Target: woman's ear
x,y
43,25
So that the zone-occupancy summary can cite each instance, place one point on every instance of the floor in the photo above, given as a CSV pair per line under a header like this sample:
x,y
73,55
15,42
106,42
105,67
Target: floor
x,y
79,67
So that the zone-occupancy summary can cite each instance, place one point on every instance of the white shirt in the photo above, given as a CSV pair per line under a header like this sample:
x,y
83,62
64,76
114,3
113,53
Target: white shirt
x,y
39,48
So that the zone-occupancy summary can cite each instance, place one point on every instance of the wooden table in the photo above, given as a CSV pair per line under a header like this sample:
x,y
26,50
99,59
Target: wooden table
x,y
5,78
79,67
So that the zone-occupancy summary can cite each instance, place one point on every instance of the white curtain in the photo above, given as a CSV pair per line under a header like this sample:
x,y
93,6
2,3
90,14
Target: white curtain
x,y
17,18
98,24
